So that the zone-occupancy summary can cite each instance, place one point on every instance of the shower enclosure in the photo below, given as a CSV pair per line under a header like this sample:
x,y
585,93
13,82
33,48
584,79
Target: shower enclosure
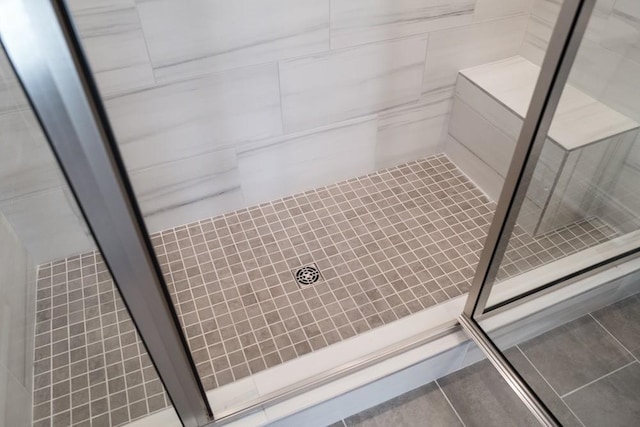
x,y
210,209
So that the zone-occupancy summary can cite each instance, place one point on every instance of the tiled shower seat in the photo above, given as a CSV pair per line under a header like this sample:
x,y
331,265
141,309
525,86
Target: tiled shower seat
x,y
581,158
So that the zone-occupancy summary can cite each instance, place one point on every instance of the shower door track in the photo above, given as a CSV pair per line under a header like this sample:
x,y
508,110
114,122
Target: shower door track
x,y
334,374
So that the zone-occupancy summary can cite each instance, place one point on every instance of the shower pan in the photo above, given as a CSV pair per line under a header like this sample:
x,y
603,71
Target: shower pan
x,y
274,212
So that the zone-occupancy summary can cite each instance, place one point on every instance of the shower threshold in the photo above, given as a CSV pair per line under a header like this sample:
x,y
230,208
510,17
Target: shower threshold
x,y
387,245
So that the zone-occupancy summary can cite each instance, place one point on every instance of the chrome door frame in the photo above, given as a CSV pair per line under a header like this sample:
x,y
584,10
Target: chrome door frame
x,y
45,53
559,58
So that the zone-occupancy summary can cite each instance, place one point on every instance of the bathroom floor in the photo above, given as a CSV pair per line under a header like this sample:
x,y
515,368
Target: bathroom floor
x,y
592,382
386,245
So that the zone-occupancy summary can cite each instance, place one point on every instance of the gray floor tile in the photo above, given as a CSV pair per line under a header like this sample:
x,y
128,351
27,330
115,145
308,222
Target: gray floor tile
x,y
611,401
574,354
622,319
482,398
542,388
425,406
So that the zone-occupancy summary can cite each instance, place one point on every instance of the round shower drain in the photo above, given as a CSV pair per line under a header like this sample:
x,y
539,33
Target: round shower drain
x,y
307,275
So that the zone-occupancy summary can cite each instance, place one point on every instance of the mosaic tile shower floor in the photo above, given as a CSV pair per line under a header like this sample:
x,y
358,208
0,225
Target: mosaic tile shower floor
x,y
387,245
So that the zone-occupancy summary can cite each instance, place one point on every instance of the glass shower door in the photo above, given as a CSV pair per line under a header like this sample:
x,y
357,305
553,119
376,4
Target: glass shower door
x,y
87,334
555,300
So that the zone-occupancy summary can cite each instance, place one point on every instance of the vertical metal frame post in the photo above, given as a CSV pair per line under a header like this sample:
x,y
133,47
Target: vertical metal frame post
x,y
40,41
561,52
563,47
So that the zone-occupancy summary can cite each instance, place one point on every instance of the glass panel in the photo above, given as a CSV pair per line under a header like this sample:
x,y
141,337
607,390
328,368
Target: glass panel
x,y
576,344
581,205
69,351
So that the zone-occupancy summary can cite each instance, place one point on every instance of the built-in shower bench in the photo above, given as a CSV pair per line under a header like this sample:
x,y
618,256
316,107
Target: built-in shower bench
x,y
584,151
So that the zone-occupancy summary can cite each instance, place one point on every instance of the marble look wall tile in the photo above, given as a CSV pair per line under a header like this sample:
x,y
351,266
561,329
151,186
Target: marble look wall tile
x,y
49,224
502,118
452,50
15,399
548,11
188,190
115,45
479,136
413,131
83,6
579,119
622,29
623,91
201,36
478,171
26,162
343,84
536,40
355,22
280,167
11,95
492,9
593,67
182,119
13,306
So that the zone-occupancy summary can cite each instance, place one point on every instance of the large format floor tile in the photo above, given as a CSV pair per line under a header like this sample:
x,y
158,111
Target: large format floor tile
x,y
622,320
423,406
574,354
611,401
542,388
482,398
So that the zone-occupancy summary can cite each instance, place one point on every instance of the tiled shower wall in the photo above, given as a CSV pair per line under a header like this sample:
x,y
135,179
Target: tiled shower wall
x,y
34,198
607,68
17,319
219,105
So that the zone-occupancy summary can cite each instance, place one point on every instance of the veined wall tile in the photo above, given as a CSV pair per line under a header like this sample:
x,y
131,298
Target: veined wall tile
x,y
26,162
502,118
536,40
622,29
11,96
201,36
339,85
115,45
48,223
457,48
355,22
280,167
482,138
13,308
594,65
478,171
492,9
16,400
413,131
95,6
623,91
187,190
182,119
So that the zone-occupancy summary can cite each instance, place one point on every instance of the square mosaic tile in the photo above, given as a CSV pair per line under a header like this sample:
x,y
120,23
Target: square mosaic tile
x,y
386,245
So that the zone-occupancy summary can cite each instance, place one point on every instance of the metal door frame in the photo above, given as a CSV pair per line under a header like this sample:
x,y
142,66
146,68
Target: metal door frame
x,y
558,61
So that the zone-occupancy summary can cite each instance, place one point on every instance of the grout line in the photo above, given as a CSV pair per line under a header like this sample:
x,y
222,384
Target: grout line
x,y
598,379
449,402
550,386
378,214
613,336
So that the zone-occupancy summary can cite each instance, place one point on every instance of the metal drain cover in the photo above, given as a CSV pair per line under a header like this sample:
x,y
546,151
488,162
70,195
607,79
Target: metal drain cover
x,y
307,275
